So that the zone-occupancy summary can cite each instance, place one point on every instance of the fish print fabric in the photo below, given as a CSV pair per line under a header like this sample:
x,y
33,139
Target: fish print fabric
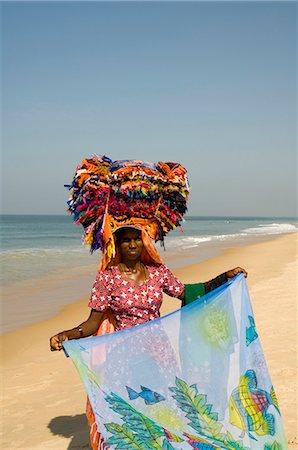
x,y
194,379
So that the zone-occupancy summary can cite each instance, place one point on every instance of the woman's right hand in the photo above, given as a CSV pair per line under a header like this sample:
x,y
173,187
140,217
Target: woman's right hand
x,y
85,329
56,341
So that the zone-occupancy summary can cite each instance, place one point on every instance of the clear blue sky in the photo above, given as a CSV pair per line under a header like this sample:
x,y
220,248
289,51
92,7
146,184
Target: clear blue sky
x,y
210,85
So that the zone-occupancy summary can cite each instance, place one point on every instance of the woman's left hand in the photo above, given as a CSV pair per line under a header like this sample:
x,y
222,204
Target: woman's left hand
x,y
233,272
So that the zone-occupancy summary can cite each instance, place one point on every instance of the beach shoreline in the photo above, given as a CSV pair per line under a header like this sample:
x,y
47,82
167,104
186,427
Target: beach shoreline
x,y
43,397
31,301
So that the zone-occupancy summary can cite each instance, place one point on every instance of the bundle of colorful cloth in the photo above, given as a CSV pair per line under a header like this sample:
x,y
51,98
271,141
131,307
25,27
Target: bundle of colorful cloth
x,y
106,195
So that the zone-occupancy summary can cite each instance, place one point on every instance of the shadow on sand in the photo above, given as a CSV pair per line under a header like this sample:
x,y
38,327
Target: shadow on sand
x,y
74,427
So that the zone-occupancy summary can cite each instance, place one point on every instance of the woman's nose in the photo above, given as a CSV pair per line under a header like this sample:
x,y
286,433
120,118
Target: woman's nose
x,y
132,243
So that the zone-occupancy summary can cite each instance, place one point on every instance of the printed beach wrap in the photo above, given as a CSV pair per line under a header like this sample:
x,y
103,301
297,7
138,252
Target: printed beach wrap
x,y
194,379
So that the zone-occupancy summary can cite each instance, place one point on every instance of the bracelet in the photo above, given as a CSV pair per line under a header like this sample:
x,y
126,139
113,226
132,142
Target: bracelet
x,y
80,330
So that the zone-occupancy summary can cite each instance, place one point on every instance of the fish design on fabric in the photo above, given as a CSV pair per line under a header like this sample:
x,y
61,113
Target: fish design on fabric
x,y
251,333
150,397
248,407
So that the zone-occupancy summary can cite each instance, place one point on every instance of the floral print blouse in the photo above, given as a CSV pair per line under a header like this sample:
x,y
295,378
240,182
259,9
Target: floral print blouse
x,y
132,303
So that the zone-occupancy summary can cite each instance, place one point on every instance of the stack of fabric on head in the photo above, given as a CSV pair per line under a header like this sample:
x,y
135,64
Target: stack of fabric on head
x,y
106,195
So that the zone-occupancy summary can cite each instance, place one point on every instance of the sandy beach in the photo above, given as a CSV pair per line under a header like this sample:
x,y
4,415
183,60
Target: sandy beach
x,y
43,399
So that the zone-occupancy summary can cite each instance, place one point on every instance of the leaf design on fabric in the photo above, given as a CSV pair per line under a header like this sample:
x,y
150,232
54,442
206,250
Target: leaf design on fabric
x,y
147,429
233,445
124,438
274,446
202,419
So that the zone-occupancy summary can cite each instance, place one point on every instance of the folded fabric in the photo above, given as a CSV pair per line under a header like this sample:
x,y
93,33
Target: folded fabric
x,y
105,192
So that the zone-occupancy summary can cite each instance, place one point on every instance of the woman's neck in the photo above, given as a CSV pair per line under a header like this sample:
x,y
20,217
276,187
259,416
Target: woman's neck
x,y
132,265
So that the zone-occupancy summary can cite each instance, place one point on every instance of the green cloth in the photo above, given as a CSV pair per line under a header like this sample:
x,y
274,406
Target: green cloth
x,y
192,292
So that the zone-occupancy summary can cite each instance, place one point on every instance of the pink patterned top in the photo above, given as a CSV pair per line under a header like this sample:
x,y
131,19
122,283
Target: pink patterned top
x,y
132,303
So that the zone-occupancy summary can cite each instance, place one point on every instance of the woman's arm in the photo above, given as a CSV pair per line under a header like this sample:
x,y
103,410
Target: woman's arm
x,y
196,290
223,278
85,329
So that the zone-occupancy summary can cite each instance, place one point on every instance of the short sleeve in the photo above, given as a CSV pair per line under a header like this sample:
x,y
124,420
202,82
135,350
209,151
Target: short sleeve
x,y
101,292
171,285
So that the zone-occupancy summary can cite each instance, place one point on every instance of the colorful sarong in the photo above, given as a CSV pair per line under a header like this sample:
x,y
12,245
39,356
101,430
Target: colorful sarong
x,y
194,379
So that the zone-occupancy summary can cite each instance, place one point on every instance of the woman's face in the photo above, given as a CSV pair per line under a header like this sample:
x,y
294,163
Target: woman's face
x,y
131,244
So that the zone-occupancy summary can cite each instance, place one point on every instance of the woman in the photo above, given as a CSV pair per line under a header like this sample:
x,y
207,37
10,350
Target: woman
x,y
129,292
132,290
123,206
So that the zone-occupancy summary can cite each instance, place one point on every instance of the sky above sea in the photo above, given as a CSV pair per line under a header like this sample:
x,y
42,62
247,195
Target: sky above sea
x,y
211,85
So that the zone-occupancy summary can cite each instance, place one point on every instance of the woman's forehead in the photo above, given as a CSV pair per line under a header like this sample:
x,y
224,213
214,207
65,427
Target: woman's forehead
x,y
130,233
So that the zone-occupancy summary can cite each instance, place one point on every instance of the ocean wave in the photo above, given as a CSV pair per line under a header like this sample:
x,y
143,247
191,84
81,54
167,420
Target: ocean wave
x,y
35,263
195,241
187,242
44,252
272,228
190,239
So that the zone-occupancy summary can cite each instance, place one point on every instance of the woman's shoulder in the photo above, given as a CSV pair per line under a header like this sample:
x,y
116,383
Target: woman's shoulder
x,y
107,273
155,267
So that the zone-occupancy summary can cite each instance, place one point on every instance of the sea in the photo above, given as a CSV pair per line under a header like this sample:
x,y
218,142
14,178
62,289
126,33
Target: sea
x,y
45,266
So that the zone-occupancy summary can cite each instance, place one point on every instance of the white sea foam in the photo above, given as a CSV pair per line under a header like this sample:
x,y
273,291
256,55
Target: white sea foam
x,y
186,241
196,241
272,228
